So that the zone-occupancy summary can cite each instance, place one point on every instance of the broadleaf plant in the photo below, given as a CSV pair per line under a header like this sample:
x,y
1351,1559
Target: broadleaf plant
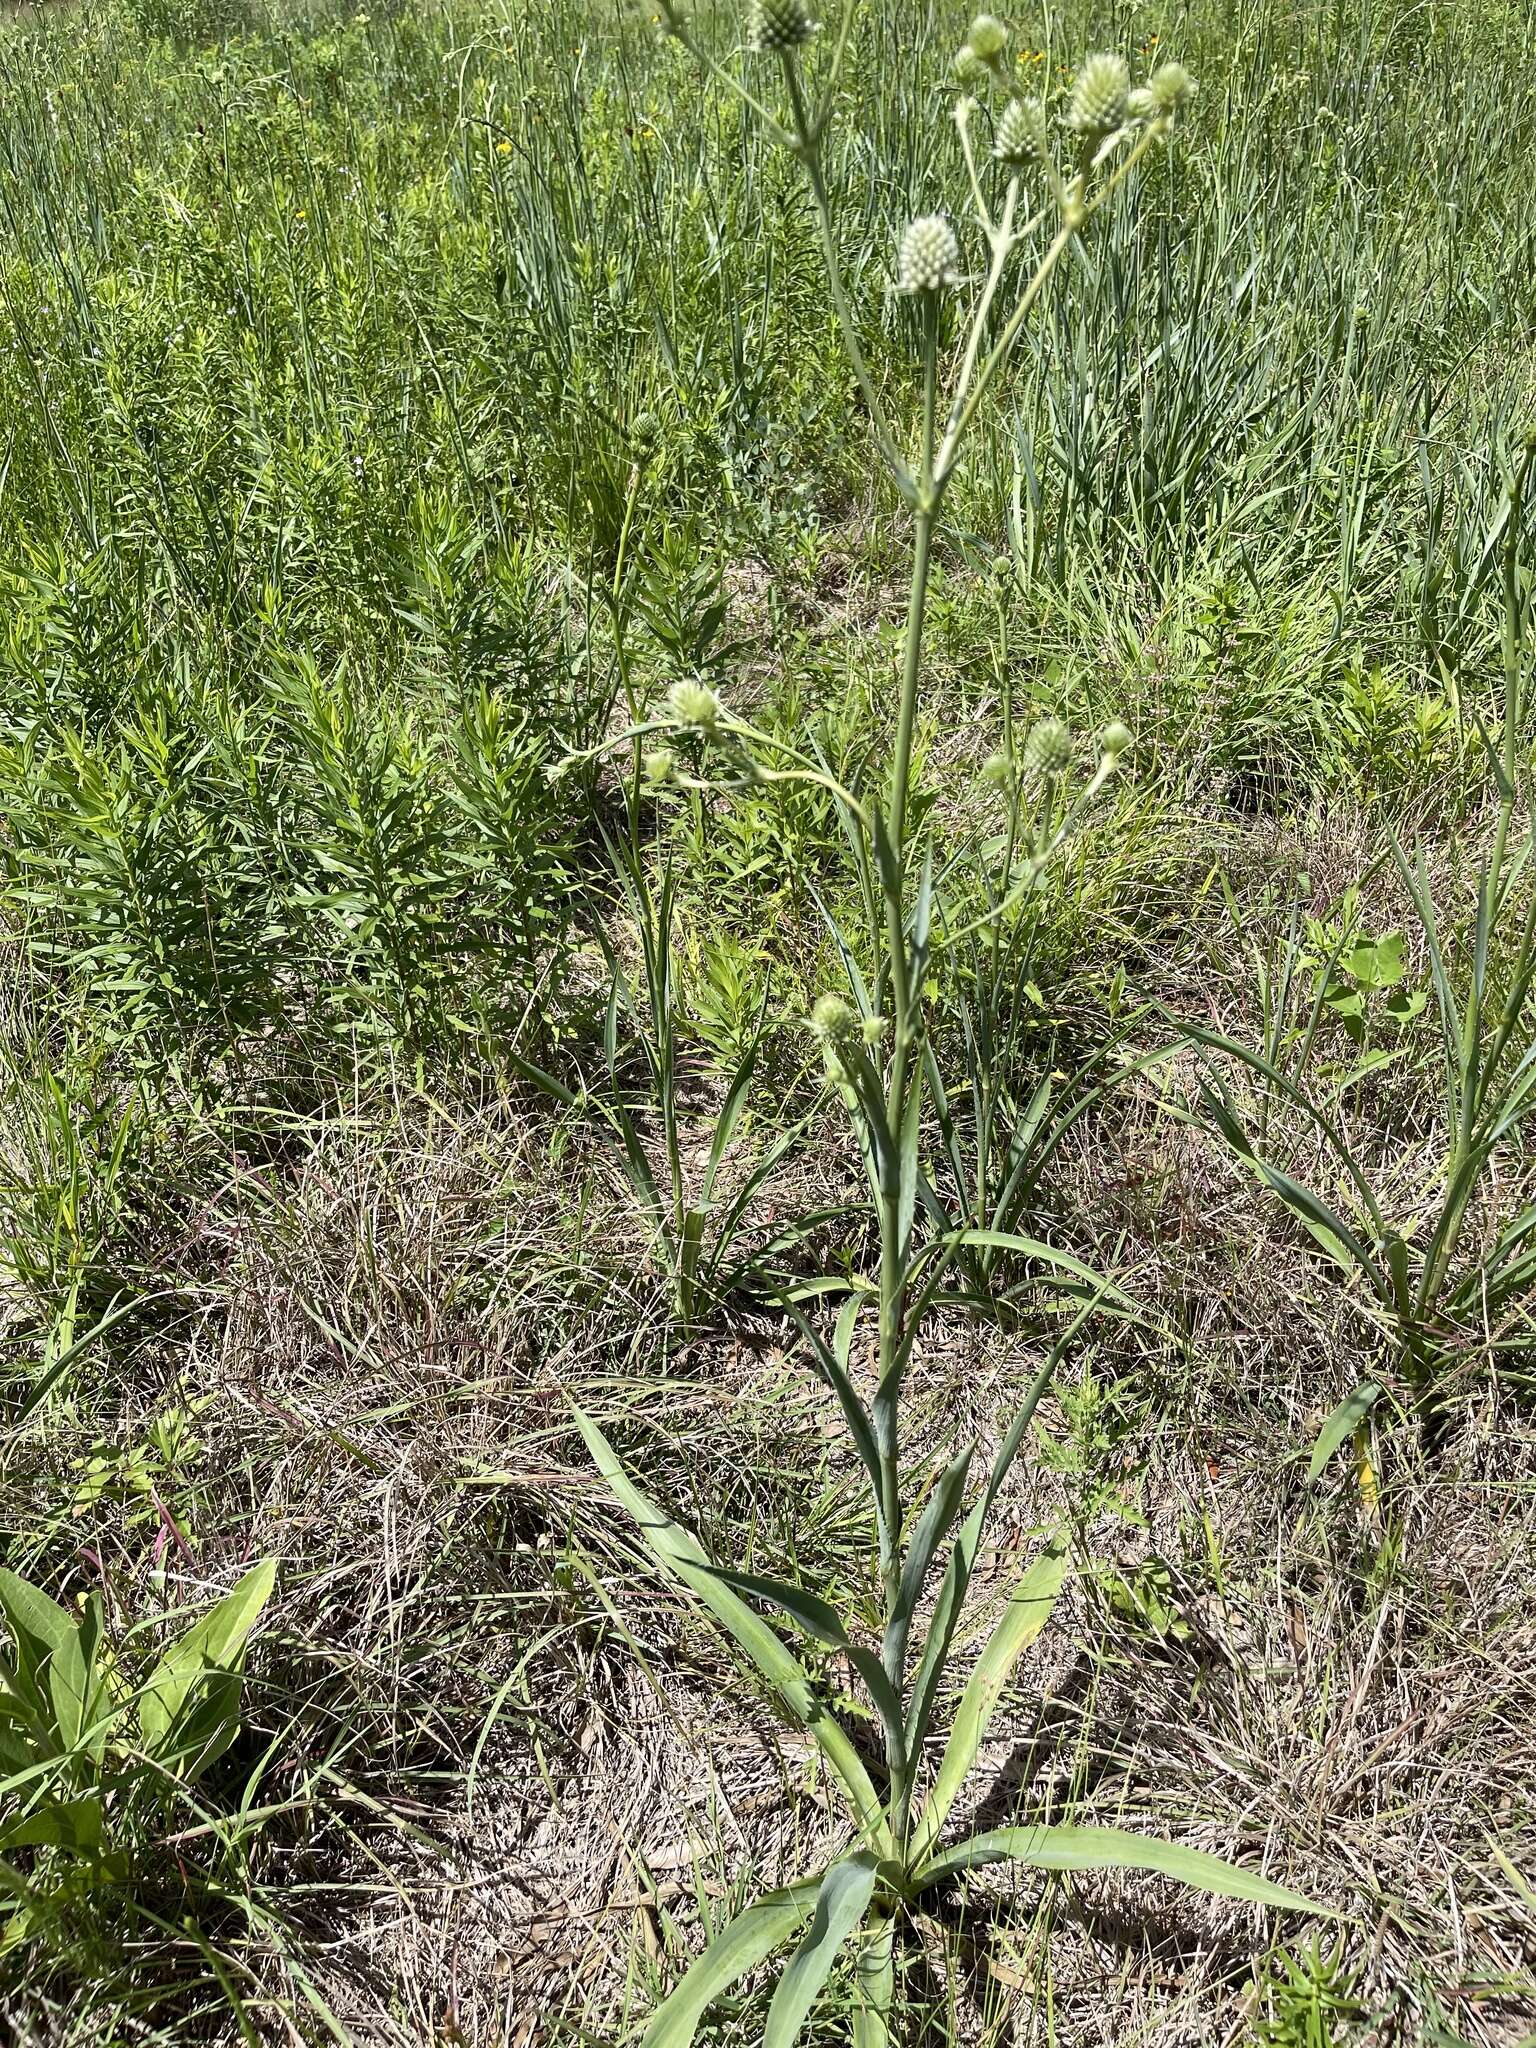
x,y
881,1062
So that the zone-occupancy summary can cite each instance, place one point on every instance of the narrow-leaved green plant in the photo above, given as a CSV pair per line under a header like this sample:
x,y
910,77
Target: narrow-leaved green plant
x,y
1028,208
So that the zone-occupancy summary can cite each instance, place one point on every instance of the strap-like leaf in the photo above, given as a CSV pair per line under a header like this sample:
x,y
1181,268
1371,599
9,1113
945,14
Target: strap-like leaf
x,y
1027,1613
683,1557
1088,1848
933,1526
821,1621
875,1982
756,1931
1047,1254
962,1557
1342,1423
833,1361
840,1903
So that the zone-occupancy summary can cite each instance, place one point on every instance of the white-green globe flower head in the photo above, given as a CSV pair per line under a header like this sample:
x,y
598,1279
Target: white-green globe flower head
x,y
1048,747
969,70
777,25
1170,86
833,1020
988,38
1101,95
659,767
997,769
1022,136
1115,740
695,706
930,256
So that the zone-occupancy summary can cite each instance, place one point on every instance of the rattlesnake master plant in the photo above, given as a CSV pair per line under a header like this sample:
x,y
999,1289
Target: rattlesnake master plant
x,y
881,1065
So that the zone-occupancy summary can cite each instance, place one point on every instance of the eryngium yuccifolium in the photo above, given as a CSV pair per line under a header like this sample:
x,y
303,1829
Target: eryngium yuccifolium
x,y
833,1021
1100,93
658,767
987,37
998,770
696,706
1022,136
779,24
969,69
1116,739
930,255
1048,747
1170,86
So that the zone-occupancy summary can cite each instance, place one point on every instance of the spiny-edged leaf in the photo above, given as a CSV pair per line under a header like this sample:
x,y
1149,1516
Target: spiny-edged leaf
x,y
933,1526
1342,1423
821,1621
187,1709
756,1931
681,1555
1089,1848
1027,1613
840,1903
833,1361
962,1557
874,1983
907,1162
1048,1255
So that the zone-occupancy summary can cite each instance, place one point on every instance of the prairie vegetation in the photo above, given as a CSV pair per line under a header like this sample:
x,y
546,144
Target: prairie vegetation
x,y
767,931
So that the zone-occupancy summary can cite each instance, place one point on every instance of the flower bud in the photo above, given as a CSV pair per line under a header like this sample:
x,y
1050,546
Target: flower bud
x,y
774,25
658,768
969,70
930,256
1048,747
998,770
987,37
1100,94
1116,739
695,706
1022,137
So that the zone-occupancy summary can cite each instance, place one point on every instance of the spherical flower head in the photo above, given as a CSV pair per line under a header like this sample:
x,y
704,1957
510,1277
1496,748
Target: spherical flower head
x,y
1048,748
930,256
1170,86
658,768
1116,739
695,706
997,769
775,25
1100,95
833,1020
1022,136
988,38
969,70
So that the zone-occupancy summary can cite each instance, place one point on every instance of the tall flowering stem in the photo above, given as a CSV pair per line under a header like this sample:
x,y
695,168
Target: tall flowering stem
x,y
879,1062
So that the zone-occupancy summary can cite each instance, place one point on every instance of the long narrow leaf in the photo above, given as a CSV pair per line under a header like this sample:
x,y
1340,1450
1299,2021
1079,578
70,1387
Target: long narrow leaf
x,y
756,1931
840,1904
682,1556
1027,1613
1090,1848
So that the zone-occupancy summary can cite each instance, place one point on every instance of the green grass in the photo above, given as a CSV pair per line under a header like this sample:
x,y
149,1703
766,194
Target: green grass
x,y
395,401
